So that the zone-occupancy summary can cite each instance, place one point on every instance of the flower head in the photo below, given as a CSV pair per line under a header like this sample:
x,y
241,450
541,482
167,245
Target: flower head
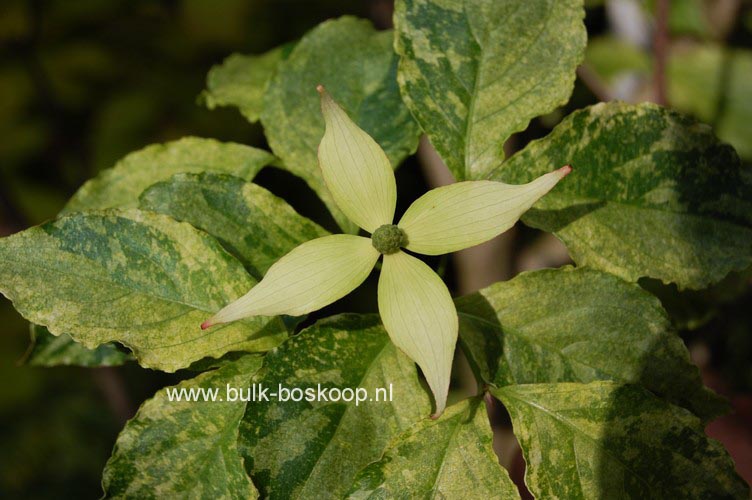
x,y
415,305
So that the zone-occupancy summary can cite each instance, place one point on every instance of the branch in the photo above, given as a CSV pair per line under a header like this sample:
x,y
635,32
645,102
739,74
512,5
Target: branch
x,y
660,51
593,82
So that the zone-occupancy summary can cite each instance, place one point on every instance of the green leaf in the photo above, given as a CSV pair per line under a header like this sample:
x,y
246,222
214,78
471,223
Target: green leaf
x,y
357,66
314,449
652,193
600,439
251,223
451,457
241,81
713,83
579,325
133,277
184,448
120,186
50,350
475,72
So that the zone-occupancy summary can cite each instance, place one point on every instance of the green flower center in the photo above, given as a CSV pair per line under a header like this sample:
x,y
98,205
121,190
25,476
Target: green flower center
x,y
388,239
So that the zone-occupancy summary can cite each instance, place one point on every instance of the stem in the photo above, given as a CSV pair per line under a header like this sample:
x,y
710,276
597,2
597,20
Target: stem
x,y
660,51
594,83
112,387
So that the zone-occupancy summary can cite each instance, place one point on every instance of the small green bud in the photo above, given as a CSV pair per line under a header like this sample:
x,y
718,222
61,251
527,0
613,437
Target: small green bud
x,y
387,239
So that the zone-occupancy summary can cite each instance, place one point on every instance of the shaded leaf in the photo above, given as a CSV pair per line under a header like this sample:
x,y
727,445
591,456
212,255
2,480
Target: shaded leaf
x,y
579,325
357,66
314,449
251,223
50,350
692,309
175,448
603,439
241,81
652,193
120,186
451,457
475,72
133,277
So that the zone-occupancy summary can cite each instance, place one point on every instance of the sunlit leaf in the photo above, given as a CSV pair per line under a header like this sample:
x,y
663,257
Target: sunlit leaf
x,y
251,223
133,277
241,81
174,448
654,194
473,72
120,186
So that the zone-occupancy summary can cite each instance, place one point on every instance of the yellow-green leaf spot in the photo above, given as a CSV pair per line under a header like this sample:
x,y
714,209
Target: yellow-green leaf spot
x,y
388,239
137,278
474,73
451,457
656,194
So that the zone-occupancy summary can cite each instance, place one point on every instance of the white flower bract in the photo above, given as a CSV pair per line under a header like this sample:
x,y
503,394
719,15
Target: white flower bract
x,y
414,303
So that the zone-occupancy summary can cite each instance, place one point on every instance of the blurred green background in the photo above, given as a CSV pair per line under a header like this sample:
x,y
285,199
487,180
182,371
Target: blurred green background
x,y
82,83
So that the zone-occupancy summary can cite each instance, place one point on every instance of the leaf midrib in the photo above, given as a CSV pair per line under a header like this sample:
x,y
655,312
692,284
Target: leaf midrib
x,y
576,430
473,98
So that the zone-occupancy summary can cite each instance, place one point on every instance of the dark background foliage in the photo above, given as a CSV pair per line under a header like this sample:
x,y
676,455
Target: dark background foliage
x,y
83,82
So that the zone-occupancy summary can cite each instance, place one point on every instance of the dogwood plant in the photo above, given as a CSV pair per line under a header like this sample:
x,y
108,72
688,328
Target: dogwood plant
x,y
599,387
414,304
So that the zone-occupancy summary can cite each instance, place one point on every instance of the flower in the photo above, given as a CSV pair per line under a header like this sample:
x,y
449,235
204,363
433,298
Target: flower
x,y
415,305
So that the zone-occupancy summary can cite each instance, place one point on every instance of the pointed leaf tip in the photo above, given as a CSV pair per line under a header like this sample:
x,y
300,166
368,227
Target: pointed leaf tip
x,y
320,89
206,324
